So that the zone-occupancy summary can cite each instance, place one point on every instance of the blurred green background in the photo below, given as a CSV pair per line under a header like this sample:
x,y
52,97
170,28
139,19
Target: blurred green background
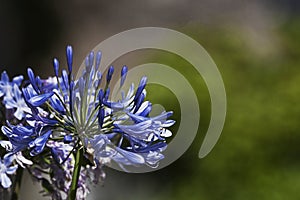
x,y
256,46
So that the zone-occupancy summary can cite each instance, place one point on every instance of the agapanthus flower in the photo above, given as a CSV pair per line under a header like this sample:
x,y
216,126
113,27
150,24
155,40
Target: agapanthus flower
x,y
6,168
6,87
60,117
83,110
12,96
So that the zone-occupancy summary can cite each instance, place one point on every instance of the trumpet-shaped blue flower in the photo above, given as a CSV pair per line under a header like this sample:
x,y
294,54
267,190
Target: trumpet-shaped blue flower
x,y
17,101
23,137
6,168
6,87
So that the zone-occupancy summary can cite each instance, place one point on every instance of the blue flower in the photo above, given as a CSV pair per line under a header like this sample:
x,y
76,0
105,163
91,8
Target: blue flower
x,y
12,96
59,116
18,102
23,137
6,168
62,109
6,86
121,130
19,136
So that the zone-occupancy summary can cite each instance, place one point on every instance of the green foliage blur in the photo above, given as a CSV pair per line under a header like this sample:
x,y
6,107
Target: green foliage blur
x,y
258,154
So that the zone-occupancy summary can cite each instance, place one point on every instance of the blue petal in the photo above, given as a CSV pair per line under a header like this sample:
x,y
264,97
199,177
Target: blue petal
x,y
135,141
12,169
114,105
99,143
32,79
4,77
7,159
23,130
5,180
47,120
18,80
154,147
38,82
163,116
131,156
39,143
17,92
146,111
40,99
139,102
57,105
135,128
137,118
6,144
168,123
55,155
28,92
65,79
7,131
140,88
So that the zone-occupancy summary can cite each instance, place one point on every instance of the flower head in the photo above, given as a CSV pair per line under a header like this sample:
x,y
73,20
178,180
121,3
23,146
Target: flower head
x,y
59,116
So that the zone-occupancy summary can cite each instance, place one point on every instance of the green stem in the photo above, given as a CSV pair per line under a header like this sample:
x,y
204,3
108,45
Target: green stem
x,y
17,185
76,173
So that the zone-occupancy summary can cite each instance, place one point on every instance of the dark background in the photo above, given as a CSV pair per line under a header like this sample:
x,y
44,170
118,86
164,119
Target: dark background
x,y
256,46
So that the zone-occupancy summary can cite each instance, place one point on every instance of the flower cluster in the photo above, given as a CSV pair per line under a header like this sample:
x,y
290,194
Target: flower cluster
x,y
63,131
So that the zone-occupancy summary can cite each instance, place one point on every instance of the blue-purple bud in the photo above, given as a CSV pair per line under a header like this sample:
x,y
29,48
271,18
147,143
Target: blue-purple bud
x,y
139,102
69,58
32,79
89,60
123,74
98,59
68,138
109,74
65,79
55,66
101,117
141,87
100,96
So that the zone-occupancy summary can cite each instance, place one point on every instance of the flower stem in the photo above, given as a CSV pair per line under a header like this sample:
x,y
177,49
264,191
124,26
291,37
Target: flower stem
x,y
76,173
17,185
